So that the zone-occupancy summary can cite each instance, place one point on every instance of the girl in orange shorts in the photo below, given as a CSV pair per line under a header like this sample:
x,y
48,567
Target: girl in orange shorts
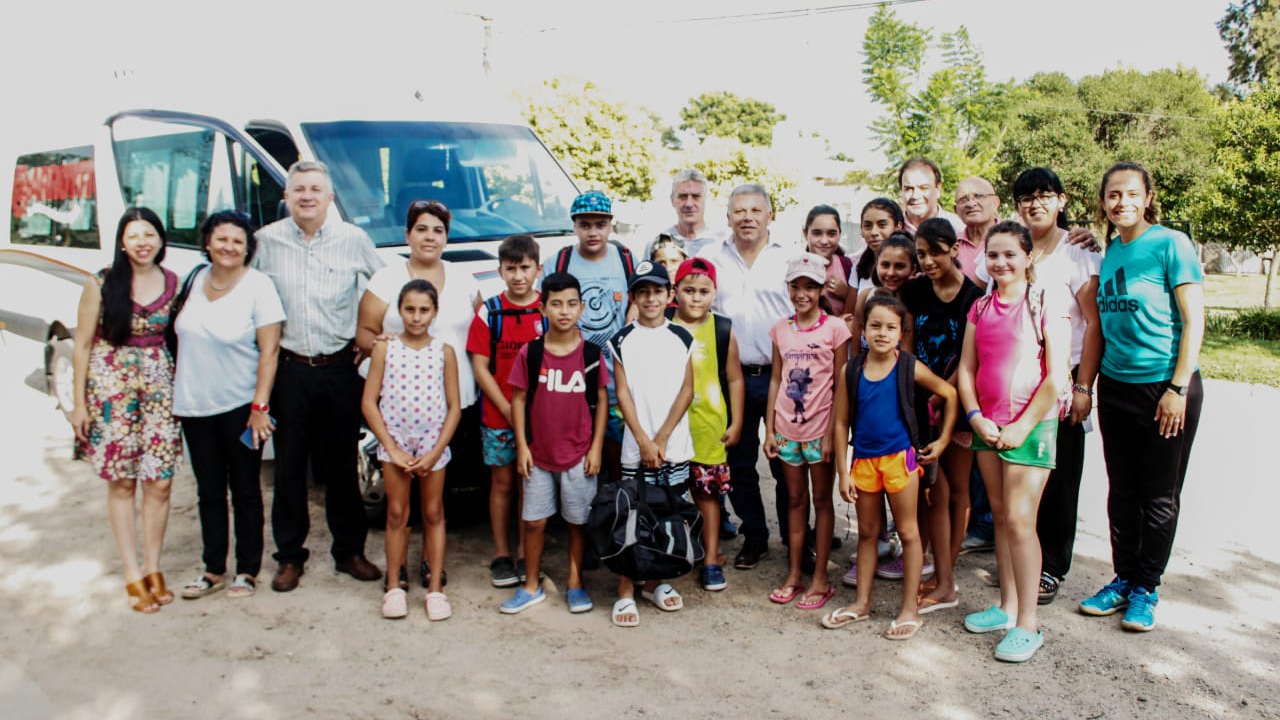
x,y
875,408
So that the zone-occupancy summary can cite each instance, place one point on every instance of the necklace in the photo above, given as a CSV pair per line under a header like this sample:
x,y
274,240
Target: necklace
x,y
214,286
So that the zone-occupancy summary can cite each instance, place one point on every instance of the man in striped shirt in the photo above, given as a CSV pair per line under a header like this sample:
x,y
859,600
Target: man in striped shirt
x,y
319,265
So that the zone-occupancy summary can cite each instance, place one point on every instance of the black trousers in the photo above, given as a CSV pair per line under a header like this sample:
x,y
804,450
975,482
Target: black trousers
x,y
221,462
1145,472
1059,506
744,490
317,411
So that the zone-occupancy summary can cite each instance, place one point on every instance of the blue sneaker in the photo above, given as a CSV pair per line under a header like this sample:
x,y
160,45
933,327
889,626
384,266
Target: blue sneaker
x,y
521,600
1141,614
989,620
1019,645
578,600
1112,597
712,578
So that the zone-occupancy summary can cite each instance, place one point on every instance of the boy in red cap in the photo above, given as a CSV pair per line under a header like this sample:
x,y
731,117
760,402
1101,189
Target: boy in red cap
x,y
715,415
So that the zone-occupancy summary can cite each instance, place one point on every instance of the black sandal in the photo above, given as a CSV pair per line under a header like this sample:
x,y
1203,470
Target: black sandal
x,y
1049,586
404,580
424,573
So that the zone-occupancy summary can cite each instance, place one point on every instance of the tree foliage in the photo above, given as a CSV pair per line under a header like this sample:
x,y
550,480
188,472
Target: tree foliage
x,y
1162,119
1251,32
1238,206
603,143
954,116
724,114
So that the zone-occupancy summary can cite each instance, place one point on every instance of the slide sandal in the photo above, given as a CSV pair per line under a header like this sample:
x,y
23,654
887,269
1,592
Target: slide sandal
x,y
661,595
625,606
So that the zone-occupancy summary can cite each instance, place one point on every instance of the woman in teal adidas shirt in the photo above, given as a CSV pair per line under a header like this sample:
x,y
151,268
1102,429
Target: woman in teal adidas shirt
x,y
1151,303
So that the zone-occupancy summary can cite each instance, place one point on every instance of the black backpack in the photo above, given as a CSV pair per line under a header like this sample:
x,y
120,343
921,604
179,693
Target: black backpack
x,y
591,374
184,292
628,262
723,327
907,409
496,313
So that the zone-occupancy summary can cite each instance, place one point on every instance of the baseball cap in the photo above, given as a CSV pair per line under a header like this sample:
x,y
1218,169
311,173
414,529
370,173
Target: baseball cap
x,y
810,265
695,266
591,202
649,272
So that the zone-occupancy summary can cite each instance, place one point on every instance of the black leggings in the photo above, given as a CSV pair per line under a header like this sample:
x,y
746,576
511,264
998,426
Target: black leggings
x,y
220,461
1145,471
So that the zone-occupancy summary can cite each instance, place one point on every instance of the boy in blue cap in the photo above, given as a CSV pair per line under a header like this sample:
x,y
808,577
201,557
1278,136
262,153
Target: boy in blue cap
x,y
602,267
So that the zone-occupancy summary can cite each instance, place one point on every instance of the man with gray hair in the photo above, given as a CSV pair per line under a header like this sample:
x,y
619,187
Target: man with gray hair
x,y
689,199
751,289
318,264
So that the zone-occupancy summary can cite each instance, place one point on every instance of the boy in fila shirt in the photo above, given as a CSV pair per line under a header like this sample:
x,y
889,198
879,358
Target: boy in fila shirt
x,y
563,455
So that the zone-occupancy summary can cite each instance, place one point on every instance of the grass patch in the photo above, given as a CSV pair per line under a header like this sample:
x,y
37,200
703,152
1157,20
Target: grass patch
x,y
1241,359
1229,291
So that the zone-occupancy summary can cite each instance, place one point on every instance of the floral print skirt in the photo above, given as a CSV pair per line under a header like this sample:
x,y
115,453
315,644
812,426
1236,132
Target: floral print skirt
x,y
133,433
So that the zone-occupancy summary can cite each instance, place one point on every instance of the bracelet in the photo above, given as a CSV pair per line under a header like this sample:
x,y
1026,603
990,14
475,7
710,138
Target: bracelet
x,y
255,407
969,415
1082,389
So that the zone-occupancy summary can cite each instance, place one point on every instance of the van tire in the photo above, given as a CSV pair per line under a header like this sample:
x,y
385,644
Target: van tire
x,y
60,373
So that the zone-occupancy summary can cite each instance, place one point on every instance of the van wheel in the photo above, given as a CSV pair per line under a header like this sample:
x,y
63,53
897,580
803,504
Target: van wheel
x,y
61,374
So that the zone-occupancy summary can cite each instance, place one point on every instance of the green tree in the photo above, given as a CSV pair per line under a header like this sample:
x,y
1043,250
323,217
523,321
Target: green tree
x,y
1162,119
1251,32
1238,206
603,143
724,114
953,117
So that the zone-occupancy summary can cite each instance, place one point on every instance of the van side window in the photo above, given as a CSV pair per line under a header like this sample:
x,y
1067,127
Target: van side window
x,y
55,199
171,175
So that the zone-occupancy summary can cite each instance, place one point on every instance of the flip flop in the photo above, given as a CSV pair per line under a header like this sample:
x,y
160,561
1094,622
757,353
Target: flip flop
x,y
926,606
809,604
625,606
840,617
915,626
786,593
660,595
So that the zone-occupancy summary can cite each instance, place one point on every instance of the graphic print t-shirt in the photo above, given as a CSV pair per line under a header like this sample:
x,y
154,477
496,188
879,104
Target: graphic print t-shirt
x,y
805,391
604,297
939,325
559,415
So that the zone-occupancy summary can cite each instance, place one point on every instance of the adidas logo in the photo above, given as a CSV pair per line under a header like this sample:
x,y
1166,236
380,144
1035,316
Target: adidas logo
x,y
1115,295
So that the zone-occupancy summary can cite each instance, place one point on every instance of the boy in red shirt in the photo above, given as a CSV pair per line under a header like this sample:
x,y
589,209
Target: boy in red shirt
x,y
503,325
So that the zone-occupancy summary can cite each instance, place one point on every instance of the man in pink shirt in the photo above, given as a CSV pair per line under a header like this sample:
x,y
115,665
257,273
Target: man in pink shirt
x,y
978,205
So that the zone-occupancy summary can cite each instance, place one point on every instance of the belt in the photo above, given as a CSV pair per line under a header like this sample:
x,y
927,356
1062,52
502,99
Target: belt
x,y
346,354
756,370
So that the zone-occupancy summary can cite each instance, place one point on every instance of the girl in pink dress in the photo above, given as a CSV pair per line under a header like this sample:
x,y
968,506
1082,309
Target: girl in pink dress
x,y
412,406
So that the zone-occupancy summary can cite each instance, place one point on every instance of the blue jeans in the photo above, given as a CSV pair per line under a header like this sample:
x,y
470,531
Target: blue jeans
x,y
745,495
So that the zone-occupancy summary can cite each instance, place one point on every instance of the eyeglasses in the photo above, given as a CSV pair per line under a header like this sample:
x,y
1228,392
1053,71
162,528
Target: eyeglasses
x,y
974,198
1041,199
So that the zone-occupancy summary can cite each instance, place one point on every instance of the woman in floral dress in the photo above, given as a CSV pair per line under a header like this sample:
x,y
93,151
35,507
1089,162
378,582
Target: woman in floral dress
x,y
123,413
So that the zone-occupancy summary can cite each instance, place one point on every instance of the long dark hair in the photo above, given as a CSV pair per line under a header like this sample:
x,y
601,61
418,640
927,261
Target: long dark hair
x,y
1041,179
867,263
117,285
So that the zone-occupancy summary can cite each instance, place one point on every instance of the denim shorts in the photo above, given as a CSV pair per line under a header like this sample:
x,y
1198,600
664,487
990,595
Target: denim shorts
x,y
799,452
574,487
499,446
614,428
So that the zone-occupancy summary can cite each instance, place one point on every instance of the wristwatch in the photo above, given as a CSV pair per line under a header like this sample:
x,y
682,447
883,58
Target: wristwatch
x,y
1180,390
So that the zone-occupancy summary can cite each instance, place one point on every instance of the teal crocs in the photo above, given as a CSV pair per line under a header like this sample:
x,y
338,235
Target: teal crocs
x,y
1019,645
989,620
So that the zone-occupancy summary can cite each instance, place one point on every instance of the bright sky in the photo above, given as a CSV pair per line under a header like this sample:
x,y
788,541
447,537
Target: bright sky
x,y
653,53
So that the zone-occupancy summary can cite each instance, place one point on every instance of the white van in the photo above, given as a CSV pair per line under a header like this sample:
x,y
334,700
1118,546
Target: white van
x,y
69,185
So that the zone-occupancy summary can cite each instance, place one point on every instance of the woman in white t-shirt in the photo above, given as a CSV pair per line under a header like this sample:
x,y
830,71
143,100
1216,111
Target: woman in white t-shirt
x,y
228,329
426,233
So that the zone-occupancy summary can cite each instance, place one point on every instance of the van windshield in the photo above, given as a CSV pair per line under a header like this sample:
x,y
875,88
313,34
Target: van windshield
x,y
496,180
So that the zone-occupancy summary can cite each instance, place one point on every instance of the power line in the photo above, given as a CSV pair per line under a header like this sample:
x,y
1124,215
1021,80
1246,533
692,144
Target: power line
x,y
1158,116
767,15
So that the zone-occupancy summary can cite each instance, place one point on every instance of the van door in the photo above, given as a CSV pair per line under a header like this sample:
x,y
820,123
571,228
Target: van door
x,y
185,167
